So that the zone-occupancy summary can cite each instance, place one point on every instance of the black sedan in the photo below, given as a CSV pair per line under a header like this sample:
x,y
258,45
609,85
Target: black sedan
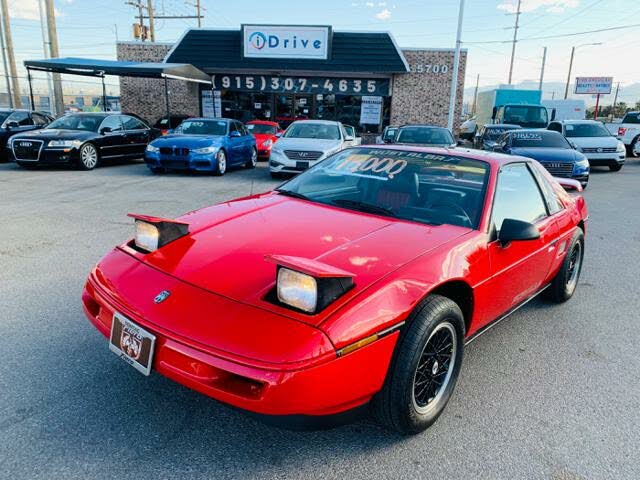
x,y
487,136
19,121
84,140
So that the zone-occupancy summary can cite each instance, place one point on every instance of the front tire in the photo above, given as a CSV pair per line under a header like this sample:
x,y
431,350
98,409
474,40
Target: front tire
x,y
615,167
253,159
564,284
221,163
89,157
424,368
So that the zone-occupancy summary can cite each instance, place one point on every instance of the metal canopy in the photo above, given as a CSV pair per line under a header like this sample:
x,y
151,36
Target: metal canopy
x,y
98,68
92,67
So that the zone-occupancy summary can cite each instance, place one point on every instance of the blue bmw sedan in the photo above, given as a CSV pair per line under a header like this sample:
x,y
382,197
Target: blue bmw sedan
x,y
551,149
203,145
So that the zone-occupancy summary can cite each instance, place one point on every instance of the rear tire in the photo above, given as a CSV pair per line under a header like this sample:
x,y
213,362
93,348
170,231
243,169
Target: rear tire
x,y
564,284
424,368
89,157
253,159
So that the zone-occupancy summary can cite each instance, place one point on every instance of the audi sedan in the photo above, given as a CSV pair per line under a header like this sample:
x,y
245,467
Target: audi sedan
x,y
352,288
84,140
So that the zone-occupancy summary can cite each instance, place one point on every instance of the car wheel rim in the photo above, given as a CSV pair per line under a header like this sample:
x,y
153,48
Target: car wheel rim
x,y
254,157
435,368
222,162
89,156
575,261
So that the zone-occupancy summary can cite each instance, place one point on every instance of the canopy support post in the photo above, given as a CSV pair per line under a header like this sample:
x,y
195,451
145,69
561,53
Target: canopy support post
x,y
104,95
33,105
166,99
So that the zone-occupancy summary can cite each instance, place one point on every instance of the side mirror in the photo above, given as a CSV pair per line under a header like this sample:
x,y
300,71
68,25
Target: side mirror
x,y
553,114
517,230
493,113
235,134
279,134
12,124
105,130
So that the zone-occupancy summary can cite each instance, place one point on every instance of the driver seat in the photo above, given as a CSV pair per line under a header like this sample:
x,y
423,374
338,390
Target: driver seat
x,y
400,192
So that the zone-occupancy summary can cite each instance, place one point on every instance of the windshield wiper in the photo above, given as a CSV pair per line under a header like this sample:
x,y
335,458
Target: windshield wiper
x,y
292,194
364,207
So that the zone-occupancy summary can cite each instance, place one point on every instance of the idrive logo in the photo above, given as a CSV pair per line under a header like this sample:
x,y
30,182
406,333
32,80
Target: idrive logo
x,y
258,40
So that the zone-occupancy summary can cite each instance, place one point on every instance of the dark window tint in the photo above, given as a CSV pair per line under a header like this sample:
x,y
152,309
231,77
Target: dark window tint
x,y
21,118
556,127
39,119
595,129
538,138
112,123
261,128
517,196
89,123
425,136
631,118
132,123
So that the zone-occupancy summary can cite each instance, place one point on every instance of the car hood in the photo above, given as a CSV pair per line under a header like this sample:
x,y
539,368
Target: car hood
x,y
595,142
188,141
312,144
57,134
544,154
226,248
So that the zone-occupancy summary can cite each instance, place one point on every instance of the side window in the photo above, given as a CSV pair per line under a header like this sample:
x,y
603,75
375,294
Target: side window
x,y
243,129
553,203
113,123
517,196
233,127
39,120
21,118
556,127
132,123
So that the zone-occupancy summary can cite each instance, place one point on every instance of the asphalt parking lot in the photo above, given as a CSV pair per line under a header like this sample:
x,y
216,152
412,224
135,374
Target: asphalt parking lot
x,y
551,393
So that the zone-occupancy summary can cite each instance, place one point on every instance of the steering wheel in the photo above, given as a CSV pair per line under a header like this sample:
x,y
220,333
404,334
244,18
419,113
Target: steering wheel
x,y
457,207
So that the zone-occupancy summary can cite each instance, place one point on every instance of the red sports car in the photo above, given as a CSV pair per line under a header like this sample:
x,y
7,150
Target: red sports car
x,y
266,134
354,285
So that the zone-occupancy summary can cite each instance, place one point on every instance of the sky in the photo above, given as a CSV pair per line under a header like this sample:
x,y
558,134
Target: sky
x,y
89,28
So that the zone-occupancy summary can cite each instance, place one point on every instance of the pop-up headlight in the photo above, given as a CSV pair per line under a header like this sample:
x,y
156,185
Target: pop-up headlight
x,y
308,285
153,232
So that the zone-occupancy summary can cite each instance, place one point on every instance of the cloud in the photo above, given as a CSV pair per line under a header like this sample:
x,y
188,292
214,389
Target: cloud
x,y
384,14
551,6
28,9
370,4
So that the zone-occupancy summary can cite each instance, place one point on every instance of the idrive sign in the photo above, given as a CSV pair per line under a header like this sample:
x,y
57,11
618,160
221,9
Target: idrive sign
x,y
281,41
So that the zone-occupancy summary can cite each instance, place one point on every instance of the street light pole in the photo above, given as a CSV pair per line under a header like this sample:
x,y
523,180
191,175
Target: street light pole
x,y
573,51
456,67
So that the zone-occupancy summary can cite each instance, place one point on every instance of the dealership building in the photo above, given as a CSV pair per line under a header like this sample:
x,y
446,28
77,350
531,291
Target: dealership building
x,y
284,73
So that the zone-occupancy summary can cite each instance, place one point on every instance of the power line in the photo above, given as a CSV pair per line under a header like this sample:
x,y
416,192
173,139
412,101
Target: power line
x,y
562,35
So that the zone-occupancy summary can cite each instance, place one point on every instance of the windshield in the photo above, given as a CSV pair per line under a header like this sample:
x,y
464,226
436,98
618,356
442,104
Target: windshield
x,y
542,138
3,116
586,130
89,123
424,136
526,116
261,128
323,131
494,133
405,184
202,127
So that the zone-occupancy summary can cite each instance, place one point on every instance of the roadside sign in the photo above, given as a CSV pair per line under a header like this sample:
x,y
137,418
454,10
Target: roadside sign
x,y
593,85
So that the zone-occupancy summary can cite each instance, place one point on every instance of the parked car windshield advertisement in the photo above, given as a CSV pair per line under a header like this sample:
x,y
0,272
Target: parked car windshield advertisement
x,y
417,186
313,130
90,123
202,127
586,130
425,136
539,139
261,128
494,133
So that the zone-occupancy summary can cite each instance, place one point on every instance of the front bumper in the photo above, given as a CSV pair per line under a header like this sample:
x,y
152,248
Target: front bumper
x,y
197,162
50,156
325,385
282,164
605,159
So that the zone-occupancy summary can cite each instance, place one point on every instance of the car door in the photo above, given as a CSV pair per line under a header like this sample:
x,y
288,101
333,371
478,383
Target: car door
x,y
236,144
136,135
519,268
112,141
249,142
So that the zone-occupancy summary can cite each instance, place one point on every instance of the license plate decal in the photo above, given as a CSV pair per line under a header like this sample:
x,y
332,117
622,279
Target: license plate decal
x,y
132,343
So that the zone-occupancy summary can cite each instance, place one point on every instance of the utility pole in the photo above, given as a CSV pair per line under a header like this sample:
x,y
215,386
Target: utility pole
x,y
198,13
475,96
8,40
6,69
566,88
152,30
138,4
55,53
615,100
456,67
46,46
515,40
544,60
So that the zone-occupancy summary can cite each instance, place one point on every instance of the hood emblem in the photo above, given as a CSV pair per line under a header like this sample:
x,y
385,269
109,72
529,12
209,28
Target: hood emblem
x,y
162,296
599,150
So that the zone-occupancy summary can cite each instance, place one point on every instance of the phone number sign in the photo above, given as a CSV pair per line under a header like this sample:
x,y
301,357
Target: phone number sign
x,y
284,84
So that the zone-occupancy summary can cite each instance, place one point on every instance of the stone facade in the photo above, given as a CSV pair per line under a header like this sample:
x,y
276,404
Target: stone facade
x,y
422,96
145,96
